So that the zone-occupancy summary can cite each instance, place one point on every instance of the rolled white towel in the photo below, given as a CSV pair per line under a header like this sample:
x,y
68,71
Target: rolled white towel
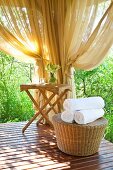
x,y
87,116
84,103
67,116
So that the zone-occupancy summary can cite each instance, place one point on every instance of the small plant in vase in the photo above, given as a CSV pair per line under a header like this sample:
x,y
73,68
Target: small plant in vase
x,y
52,69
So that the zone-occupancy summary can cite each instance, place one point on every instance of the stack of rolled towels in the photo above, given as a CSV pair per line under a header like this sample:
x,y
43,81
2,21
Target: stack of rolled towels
x,y
83,110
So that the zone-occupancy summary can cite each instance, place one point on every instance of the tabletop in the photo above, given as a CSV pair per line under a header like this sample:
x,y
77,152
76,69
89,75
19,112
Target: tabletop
x,y
55,88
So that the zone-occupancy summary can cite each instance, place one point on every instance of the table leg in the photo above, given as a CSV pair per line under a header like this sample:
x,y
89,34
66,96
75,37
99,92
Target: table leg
x,y
46,98
39,112
30,121
56,102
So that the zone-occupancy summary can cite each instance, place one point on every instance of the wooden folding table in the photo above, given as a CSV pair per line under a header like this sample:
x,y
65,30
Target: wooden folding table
x,y
58,93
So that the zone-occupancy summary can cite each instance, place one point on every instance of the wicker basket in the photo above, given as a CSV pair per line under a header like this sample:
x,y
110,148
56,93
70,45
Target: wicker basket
x,y
79,140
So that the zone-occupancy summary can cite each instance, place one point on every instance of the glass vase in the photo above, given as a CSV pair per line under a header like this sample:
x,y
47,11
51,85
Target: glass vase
x,y
52,78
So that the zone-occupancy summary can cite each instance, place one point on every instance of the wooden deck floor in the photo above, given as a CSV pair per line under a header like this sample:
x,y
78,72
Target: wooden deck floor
x,y
37,150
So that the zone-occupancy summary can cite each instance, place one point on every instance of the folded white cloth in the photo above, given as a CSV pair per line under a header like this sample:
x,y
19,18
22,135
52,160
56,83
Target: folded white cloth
x,y
87,116
84,103
67,116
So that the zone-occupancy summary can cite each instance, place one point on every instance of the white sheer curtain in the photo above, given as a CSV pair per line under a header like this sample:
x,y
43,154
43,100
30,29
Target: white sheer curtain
x,y
57,31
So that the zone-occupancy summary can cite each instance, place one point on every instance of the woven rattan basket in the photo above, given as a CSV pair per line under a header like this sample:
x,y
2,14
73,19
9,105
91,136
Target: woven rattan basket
x,y
79,140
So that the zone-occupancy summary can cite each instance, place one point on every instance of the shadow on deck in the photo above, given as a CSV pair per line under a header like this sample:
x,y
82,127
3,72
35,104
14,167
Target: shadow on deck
x,y
37,150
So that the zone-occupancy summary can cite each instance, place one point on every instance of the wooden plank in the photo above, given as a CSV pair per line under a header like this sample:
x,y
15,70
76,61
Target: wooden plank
x,y
37,149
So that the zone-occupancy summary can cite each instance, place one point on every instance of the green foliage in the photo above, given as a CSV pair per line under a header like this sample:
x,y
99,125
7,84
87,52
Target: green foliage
x,y
14,105
98,82
52,68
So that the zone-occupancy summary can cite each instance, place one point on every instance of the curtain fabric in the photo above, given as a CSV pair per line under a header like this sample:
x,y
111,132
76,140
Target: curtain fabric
x,y
62,32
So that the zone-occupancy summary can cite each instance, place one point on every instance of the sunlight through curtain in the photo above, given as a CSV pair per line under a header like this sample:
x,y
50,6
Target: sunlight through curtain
x,y
63,32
